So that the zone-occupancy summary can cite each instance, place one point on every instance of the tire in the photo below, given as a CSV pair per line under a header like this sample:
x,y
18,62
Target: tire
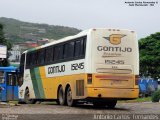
x,y
70,101
61,96
21,102
102,104
111,104
27,99
97,104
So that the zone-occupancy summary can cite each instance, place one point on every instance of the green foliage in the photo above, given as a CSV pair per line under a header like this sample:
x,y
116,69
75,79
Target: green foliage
x,y
18,31
5,42
2,39
150,55
156,96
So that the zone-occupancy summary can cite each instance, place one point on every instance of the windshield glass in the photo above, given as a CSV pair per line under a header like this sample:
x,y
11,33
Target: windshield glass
x,y
1,77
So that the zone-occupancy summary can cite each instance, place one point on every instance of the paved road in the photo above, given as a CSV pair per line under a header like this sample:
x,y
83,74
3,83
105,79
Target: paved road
x,y
47,111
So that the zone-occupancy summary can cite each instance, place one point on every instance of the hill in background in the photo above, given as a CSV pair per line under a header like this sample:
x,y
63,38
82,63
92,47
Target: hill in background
x,y
19,31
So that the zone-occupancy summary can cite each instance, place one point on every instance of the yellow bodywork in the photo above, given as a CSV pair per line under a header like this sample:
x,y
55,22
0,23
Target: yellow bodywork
x,y
106,87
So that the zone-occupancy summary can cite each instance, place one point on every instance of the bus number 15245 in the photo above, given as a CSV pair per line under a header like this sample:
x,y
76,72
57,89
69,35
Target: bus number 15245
x,y
77,66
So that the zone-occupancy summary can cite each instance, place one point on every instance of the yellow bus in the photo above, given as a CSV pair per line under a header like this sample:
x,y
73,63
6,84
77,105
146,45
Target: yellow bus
x,y
97,65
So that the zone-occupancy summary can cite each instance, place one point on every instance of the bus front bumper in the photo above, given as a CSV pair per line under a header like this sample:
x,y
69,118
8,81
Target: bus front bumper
x,y
117,93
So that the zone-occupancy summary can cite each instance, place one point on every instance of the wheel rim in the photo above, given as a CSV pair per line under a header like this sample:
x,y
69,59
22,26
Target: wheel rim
x,y
27,94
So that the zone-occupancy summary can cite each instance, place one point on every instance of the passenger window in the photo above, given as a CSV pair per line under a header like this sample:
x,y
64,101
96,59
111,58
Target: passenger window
x,y
49,54
11,79
77,48
1,77
53,55
83,44
69,50
41,56
36,58
66,46
33,58
58,53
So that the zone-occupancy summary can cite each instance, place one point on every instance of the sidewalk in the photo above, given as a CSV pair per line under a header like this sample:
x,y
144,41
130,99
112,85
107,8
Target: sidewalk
x,y
2,104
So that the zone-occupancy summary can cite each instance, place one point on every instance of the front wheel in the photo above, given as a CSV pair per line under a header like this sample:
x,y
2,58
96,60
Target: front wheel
x,y
70,101
61,96
111,104
27,99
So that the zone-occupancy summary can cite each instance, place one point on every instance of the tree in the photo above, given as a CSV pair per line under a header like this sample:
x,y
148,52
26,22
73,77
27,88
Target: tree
x,y
149,48
5,42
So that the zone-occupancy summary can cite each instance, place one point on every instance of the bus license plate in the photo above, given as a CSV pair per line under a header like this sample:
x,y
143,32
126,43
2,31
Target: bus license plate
x,y
116,82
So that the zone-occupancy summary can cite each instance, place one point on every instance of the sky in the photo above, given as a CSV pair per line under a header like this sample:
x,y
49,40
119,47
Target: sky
x,y
85,14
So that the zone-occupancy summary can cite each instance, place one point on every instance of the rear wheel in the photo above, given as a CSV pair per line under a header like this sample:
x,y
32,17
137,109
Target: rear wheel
x,y
61,96
111,104
27,99
99,104
70,101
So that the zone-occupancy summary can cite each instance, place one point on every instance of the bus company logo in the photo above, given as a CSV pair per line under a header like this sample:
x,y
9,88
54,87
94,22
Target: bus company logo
x,y
115,39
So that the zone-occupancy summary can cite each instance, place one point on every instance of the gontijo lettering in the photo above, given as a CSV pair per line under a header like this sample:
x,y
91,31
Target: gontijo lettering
x,y
56,69
114,49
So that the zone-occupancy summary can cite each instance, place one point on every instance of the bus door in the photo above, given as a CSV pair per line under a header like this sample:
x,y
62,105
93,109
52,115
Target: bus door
x,y
2,86
12,87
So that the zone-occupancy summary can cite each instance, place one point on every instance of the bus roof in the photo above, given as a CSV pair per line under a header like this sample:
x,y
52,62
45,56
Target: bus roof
x,y
82,33
9,68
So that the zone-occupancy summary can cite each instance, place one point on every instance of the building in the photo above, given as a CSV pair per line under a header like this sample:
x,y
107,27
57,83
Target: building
x,y
20,47
15,54
42,41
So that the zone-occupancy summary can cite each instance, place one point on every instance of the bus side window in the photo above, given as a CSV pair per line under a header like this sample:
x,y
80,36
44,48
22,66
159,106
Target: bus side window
x,y
22,64
28,60
58,53
68,50
49,55
71,50
41,57
83,45
66,46
36,58
53,54
77,48
11,79
15,79
1,77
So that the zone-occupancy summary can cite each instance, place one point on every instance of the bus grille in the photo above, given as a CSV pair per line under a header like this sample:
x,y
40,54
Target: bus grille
x,y
79,87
